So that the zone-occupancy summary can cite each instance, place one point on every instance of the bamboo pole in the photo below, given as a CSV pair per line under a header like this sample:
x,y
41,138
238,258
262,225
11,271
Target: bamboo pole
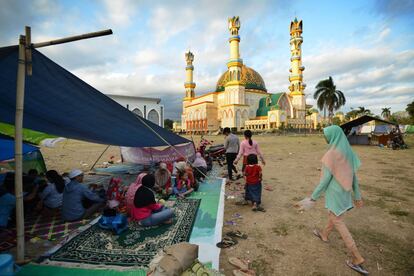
x,y
25,47
72,38
18,141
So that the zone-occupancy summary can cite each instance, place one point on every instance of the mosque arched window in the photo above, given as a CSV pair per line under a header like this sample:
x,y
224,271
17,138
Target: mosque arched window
x,y
238,75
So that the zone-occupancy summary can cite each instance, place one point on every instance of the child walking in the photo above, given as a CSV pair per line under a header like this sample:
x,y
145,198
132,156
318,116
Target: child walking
x,y
253,188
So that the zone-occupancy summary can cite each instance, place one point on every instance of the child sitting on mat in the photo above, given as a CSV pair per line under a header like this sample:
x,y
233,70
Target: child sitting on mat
x,y
253,188
182,187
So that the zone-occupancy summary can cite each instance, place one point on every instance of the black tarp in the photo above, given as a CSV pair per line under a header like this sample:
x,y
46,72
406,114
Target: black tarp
x,y
347,127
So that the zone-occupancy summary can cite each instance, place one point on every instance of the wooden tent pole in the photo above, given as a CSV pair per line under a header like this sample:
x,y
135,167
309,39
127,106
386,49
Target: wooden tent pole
x,y
18,141
25,47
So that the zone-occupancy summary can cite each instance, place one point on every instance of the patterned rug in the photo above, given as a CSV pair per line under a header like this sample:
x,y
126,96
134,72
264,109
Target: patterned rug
x,y
46,227
135,247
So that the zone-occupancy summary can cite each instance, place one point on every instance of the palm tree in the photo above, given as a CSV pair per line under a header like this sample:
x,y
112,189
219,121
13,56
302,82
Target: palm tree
x,y
328,97
386,113
363,111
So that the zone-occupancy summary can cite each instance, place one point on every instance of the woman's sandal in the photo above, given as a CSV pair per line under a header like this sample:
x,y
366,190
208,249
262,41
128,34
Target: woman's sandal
x,y
259,208
239,263
358,268
226,242
318,235
237,234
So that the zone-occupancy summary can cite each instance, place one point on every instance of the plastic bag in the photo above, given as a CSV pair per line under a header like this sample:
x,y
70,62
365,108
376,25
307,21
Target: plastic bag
x,y
305,204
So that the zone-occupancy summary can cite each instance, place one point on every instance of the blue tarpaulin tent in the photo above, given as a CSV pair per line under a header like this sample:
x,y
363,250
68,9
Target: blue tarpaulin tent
x,y
7,148
59,103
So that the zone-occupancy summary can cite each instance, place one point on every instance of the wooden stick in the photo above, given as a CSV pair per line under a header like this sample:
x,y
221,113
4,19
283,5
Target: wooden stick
x,y
18,145
94,164
71,38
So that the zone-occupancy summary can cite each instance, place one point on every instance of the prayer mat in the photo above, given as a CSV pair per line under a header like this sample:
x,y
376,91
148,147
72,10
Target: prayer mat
x,y
46,227
135,247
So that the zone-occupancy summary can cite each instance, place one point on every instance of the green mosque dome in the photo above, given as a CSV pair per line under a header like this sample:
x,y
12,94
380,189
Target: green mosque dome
x,y
249,77
268,103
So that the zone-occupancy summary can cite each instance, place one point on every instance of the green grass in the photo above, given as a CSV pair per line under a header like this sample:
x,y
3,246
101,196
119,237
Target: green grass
x,y
394,254
399,213
383,193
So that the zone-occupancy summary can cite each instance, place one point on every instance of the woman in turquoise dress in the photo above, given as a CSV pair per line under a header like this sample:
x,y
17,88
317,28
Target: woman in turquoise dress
x,y
338,181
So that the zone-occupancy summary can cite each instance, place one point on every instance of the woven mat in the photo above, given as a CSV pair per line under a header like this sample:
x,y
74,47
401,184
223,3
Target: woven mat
x,y
135,247
46,227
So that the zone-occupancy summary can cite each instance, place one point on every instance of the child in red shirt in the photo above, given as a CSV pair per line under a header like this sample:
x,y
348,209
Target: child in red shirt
x,y
253,188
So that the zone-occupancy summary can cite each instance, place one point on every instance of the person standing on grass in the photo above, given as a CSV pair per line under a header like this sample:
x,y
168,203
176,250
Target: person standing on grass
x,y
253,175
247,147
232,145
338,181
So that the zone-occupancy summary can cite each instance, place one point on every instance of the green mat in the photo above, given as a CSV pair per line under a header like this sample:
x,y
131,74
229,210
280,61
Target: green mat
x,y
135,247
47,270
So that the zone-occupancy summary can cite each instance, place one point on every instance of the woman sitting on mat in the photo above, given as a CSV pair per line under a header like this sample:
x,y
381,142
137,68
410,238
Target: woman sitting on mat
x,y
51,196
163,180
145,210
182,187
200,167
338,181
183,167
130,194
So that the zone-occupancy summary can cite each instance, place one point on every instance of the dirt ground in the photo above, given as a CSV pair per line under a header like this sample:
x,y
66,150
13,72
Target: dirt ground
x,y
280,241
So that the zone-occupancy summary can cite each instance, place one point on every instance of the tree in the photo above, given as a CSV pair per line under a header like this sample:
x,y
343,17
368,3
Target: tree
x,y
363,111
328,97
168,124
386,113
336,121
351,114
410,109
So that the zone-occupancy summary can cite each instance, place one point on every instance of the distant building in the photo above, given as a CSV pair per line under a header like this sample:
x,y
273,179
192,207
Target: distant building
x,y
241,100
177,127
148,108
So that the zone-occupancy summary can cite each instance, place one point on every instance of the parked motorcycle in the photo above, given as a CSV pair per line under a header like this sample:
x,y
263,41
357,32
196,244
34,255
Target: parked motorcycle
x,y
213,153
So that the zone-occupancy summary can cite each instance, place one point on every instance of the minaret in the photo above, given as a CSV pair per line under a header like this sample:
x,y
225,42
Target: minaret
x,y
297,86
189,88
189,84
234,91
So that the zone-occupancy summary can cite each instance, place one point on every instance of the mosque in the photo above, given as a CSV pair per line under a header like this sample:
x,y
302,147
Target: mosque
x,y
241,99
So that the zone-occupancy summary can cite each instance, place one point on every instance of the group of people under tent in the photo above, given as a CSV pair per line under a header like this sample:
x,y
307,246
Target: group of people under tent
x,y
52,193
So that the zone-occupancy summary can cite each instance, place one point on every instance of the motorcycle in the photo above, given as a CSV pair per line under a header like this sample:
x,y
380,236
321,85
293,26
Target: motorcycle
x,y
215,153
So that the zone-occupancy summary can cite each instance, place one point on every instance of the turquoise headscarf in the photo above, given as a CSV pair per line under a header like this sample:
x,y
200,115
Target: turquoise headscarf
x,y
340,159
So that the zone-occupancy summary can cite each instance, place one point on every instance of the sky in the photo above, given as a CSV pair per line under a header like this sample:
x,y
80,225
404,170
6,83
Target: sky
x,y
366,46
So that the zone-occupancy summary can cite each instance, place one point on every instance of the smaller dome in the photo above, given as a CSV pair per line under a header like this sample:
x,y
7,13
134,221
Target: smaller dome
x,y
250,77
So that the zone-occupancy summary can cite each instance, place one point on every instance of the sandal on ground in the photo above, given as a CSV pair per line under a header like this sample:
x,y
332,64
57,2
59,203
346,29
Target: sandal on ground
x,y
226,242
236,234
260,209
239,263
358,268
318,235
244,272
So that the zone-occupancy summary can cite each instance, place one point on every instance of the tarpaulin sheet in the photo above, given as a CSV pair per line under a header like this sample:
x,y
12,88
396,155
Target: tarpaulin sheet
x,y
59,103
7,149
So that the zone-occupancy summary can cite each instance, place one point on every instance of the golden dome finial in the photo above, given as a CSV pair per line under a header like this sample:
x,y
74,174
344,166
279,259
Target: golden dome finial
x,y
234,25
189,57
